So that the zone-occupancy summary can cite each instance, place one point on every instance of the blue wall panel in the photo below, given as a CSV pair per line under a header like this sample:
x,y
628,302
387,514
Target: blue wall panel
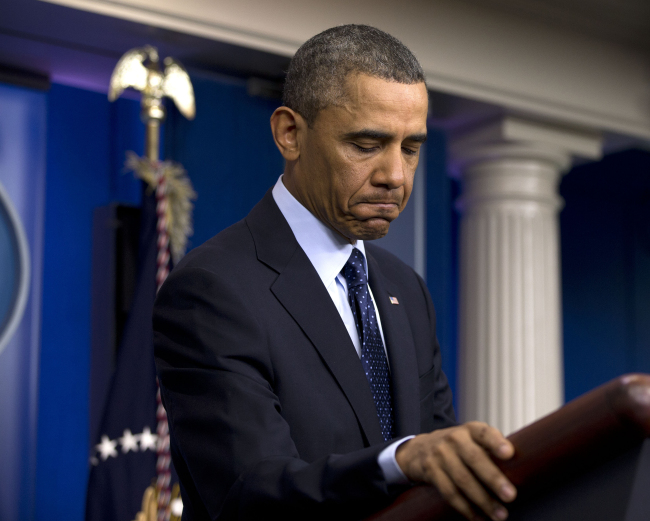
x,y
84,153
441,250
605,230
228,152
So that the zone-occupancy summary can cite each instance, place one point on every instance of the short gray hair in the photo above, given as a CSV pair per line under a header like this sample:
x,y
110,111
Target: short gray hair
x,y
317,72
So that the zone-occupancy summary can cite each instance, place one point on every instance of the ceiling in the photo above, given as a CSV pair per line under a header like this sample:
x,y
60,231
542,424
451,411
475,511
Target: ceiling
x,y
626,22
39,40
78,47
42,42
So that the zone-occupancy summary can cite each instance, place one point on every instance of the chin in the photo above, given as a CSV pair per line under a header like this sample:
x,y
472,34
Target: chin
x,y
369,231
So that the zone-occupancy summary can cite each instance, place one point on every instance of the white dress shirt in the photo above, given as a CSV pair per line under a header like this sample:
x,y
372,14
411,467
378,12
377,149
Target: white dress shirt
x,y
328,252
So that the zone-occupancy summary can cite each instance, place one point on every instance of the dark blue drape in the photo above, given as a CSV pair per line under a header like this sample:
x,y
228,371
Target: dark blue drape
x,y
605,228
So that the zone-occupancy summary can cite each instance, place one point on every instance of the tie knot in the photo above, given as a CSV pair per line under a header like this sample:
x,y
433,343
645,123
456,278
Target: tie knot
x,y
354,270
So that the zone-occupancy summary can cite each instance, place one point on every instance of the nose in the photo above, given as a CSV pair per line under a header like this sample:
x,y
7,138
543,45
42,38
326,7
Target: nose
x,y
392,170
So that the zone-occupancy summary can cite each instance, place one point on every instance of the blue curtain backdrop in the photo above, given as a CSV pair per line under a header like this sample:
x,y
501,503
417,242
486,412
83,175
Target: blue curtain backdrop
x,y
442,250
227,151
86,141
605,228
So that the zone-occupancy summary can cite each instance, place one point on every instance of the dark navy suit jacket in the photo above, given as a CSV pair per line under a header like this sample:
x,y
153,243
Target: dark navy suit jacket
x,y
268,406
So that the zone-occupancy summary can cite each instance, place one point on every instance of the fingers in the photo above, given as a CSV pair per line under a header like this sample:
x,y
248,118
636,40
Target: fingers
x,y
456,461
467,470
473,457
452,495
491,439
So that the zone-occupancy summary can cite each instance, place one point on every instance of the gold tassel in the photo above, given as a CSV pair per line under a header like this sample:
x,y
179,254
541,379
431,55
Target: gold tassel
x,y
180,195
149,510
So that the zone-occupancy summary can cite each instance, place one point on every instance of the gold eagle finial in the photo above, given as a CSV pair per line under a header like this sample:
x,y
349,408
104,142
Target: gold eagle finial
x,y
140,69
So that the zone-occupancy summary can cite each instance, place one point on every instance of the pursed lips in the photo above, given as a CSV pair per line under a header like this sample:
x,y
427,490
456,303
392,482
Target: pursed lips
x,y
381,203
380,208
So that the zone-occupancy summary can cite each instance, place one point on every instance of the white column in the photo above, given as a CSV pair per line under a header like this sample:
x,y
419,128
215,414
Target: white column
x,y
510,333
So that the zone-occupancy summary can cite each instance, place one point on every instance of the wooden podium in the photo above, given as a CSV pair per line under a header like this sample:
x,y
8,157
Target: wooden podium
x,y
589,460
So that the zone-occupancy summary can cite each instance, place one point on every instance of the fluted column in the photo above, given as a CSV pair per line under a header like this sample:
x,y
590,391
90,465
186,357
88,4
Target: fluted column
x,y
510,331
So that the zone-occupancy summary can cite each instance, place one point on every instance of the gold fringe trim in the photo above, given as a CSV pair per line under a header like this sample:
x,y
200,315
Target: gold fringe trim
x,y
149,510
180,195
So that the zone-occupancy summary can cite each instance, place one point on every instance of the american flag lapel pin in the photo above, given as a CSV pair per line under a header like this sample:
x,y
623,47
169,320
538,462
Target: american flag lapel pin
x,y
393,300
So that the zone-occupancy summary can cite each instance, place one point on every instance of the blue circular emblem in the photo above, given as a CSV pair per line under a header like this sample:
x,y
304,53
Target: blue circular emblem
x,y
14,269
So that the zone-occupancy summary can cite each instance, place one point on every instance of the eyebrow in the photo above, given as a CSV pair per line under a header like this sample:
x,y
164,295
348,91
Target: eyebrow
x,y
367,133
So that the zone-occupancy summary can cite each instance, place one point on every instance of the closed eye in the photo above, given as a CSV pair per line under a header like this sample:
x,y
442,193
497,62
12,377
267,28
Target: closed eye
x,y
363,150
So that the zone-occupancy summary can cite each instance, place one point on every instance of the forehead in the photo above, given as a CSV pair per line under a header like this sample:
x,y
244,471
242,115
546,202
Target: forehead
x,y
363,88
369,100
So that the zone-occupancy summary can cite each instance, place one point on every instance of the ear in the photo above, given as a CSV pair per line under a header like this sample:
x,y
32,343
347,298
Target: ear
x,y
286,125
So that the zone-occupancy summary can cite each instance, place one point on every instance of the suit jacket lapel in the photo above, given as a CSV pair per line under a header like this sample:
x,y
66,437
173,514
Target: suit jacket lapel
x,y
401,352
301,292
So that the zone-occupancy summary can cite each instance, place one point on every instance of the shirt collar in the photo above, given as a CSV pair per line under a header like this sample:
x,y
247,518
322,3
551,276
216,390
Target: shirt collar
x,y
326,249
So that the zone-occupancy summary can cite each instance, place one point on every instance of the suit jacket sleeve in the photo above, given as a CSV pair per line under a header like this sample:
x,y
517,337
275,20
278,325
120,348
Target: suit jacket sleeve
x,y
232,448
436,400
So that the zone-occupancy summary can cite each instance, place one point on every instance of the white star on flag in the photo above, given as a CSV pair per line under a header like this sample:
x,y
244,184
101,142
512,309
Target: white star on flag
x,y
148,440
129,442
107,448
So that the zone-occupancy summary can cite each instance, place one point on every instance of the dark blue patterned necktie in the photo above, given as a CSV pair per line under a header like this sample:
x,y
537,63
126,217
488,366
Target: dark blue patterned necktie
x,y
373,356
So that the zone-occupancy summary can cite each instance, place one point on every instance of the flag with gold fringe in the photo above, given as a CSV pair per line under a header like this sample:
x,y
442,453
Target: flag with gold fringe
x,y
131,475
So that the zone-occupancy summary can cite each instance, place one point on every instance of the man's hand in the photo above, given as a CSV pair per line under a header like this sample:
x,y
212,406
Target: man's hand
x,y
456,462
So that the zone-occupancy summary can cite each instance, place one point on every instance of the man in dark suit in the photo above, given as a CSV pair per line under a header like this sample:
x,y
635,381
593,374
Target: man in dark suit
x,y
298,362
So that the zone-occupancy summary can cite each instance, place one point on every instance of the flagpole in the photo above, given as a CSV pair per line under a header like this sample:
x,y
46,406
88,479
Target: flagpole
x,y
153,114
140,69
152,140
